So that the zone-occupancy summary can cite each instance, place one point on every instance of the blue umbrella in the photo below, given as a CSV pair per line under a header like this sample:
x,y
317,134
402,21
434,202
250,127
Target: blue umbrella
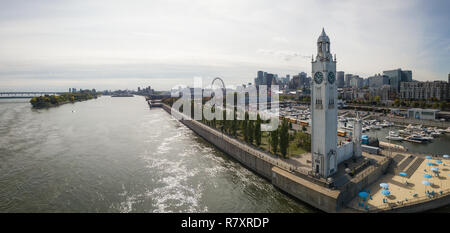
x,y
428,157
363,194
446,156
404,174
438,161
428,176
435,169
426,182
430,164
385,192
384,185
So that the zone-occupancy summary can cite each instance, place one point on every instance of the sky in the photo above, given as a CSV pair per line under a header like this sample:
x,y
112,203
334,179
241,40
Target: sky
x,y
55,45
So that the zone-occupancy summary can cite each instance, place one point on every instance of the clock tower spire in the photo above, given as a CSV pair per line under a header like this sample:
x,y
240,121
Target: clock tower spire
x,y
324,110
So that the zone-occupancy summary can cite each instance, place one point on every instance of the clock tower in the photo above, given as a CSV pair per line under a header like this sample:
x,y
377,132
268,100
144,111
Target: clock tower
x,y
324,110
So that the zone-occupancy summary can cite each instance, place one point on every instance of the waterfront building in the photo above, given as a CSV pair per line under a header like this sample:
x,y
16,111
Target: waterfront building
x,y
378,81
438,90
386,93
422,114
356,81
397,76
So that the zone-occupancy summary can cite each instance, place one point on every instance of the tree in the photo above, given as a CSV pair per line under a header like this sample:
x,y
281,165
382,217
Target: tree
x,y
234,125
213,111
251,131
284,137
304,141
377,99
224,121
435,105
442,105
396,102
258,130
244,127
274,140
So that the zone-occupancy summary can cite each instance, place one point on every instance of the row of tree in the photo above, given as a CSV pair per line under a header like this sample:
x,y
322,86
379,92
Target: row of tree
x,y
250,130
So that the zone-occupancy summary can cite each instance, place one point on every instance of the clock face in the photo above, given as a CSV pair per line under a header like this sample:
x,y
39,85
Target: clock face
x,y
318,77
331,77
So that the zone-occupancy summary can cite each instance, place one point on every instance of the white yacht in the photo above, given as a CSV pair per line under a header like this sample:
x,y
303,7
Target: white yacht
x,y
441,131
435,134
375,127
417,137
394,136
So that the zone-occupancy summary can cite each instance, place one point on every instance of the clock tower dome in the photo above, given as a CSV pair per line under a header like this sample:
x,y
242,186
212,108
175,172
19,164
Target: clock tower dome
x,y
324,110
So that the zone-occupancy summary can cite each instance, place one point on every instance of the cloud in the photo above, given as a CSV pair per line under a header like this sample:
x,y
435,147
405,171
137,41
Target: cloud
x,y
285,55
152,40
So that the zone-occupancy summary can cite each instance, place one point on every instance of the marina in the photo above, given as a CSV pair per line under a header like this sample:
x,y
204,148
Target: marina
x,y
415,138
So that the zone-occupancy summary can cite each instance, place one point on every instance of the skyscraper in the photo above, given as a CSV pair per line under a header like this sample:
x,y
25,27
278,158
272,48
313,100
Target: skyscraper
x,y
397,76
348,78
340,79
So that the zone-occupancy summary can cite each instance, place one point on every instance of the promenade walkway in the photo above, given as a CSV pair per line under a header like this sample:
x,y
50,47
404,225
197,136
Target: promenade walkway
x,y
293,166
409,190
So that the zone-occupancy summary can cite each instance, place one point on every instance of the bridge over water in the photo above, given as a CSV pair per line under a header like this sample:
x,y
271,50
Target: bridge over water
x,y
26,94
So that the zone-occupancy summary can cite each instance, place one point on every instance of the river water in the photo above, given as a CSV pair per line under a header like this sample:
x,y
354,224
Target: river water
x,y
117,155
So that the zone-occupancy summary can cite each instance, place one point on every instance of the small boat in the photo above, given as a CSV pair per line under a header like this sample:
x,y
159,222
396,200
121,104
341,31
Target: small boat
x,y
394,136
375,127
435,134
441,131
385,124
417,137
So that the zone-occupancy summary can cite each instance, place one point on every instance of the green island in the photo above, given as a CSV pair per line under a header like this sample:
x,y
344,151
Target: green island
x,y
283,142
47,101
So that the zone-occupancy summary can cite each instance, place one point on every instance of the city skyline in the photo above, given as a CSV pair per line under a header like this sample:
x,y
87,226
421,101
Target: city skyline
x,y
48,45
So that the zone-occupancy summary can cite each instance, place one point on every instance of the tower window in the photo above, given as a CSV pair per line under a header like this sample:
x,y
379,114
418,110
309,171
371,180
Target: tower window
x,y
318,97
